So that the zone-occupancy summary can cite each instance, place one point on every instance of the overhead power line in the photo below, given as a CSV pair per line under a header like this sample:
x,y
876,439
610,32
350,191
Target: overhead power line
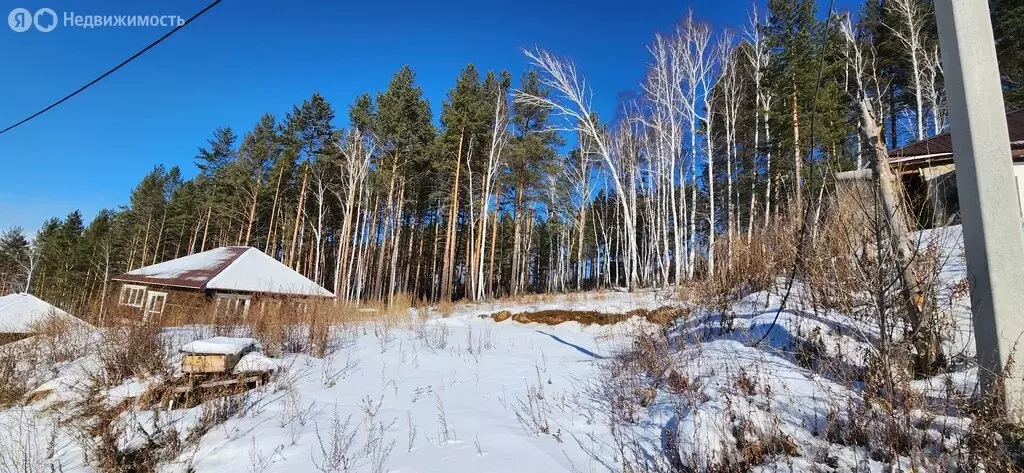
x,y
810,151
115,68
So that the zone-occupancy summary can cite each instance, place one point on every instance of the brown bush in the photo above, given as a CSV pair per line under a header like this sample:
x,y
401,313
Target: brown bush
x,y
756,263
13,381
756,447
132,351
60,340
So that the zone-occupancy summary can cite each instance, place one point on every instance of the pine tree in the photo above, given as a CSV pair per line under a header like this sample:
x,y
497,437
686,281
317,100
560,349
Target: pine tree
x,y
464,118
15,261
213,169
530,159
308,131
791,32
249,174
1008,28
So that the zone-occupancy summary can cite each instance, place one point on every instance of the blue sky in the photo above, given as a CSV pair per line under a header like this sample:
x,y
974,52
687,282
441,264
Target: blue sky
x,y
248,57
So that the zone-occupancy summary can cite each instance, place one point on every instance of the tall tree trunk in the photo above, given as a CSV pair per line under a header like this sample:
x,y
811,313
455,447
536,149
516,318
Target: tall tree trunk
x,y
298,216
435,278
396,235
145,241
206,228
494,241
916,294
711,198
416,276
159,238
448,269
517,239
767,171
252,211
273,214
692,255
797,160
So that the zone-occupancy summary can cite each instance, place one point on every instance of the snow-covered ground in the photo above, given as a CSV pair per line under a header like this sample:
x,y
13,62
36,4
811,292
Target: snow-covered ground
x,y
441,394
460,392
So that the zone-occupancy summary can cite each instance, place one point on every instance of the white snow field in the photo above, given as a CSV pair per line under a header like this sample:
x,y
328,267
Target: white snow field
x,y
463,393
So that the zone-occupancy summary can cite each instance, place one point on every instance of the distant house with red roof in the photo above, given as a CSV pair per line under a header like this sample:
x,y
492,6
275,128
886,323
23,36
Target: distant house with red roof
x,y
230,276
926,169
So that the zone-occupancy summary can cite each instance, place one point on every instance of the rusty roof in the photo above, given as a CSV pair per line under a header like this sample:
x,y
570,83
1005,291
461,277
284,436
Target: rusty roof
x,y
190,272
230,268
942,144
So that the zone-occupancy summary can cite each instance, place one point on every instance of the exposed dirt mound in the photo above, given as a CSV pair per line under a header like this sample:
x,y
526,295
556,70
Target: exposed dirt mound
x,y
661,316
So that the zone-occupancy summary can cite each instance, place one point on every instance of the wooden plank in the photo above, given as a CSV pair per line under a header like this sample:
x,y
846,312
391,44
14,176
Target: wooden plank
x,y
214,384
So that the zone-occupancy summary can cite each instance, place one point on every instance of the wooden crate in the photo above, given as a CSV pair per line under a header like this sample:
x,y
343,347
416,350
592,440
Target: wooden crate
x,y
208,363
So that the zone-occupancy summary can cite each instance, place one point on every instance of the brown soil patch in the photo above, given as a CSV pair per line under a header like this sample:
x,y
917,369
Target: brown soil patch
x,y
661,316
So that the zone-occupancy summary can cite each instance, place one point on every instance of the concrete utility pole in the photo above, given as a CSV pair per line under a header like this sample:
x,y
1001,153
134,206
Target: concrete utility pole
x,y
988,196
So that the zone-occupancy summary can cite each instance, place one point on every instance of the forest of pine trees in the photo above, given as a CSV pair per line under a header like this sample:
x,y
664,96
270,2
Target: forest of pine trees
x,y
519,186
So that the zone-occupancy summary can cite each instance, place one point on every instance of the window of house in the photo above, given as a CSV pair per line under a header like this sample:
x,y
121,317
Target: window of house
x,y
155,302
132,296
232,304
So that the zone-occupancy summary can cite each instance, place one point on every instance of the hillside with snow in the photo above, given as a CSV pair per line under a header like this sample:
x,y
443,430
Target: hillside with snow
x,y
740,389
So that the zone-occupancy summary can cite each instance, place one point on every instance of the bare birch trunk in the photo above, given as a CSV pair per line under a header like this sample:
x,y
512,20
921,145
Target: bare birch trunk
x,y
145,241
298,216
159,238
916,295
273,213
797,160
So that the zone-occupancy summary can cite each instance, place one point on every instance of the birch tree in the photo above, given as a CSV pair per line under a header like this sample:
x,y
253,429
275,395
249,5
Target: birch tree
x,y
499,137
693,39
731,93
910,30
664,91
759,57
934,91
561,76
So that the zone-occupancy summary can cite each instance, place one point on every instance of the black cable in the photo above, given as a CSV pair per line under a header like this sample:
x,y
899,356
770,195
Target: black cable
x,y
807,209
111,71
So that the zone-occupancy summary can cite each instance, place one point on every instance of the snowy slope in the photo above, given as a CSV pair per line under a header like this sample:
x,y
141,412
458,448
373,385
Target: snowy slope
x,y
462,393
443,393
444,405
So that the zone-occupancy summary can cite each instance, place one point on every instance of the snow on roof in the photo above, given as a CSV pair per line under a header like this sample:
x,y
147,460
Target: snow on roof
x,y
229,268
20,312
192,271
218,346
254,271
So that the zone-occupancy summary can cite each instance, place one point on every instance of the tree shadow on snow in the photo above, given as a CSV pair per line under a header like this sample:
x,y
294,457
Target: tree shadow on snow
x,y
577,347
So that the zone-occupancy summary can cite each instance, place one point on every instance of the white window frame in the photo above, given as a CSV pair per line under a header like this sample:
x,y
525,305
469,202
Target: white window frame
x,y
128,293
150,296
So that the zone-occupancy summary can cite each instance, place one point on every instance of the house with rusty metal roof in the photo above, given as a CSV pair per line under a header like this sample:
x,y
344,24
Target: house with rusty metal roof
x,y
927,172
230,277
